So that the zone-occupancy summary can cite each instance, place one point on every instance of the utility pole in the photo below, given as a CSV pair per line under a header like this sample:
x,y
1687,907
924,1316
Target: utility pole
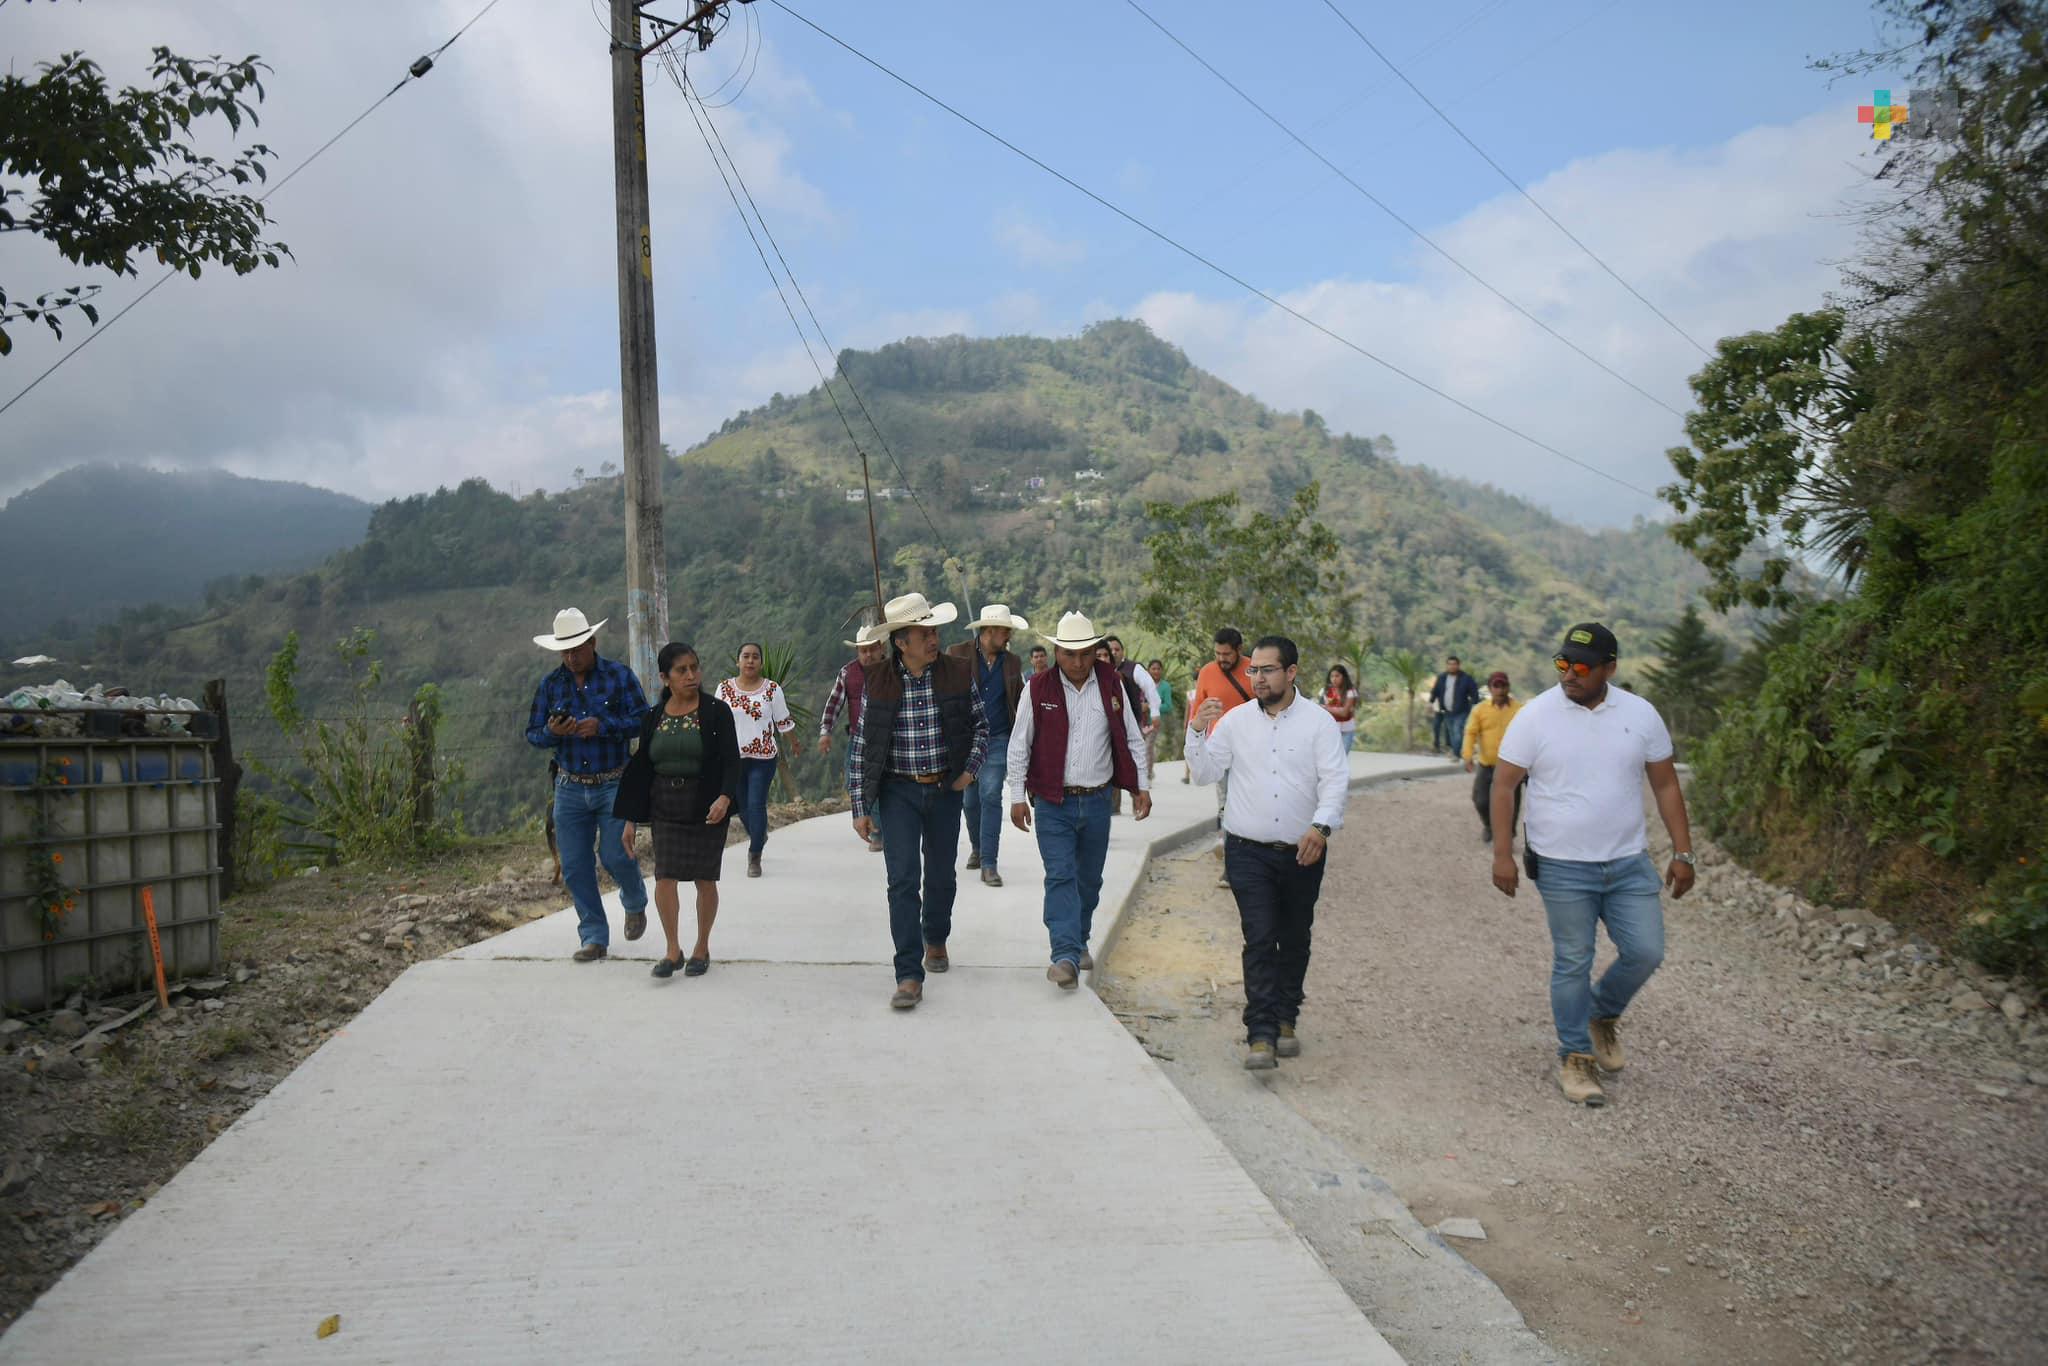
x,y
640,395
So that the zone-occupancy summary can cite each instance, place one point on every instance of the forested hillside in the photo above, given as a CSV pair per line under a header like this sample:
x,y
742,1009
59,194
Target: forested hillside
x,y
1032,460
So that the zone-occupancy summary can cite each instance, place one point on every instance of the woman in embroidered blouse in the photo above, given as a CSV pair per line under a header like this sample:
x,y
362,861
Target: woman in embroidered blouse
x,y
1340,699
680,784
761,712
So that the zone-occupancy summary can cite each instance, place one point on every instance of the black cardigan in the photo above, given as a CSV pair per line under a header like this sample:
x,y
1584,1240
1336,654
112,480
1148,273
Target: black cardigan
x,y
721,775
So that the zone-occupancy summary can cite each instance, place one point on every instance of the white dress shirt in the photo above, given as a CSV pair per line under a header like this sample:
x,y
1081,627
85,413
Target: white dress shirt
x,y
1143,678
1088,758
1287,771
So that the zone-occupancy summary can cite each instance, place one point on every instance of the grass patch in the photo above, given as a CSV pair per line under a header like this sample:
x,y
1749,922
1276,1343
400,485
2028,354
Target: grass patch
x,y
221,1041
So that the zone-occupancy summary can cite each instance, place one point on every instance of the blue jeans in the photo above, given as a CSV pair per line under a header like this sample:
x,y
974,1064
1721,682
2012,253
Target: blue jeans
x,y
919,818
583,818
755,776
1276,907
982,805
1073,839
1577,897
1454,732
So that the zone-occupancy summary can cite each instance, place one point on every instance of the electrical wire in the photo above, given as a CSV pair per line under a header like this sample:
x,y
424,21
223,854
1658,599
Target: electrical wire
x,y
1206,262
1389,211
1516,184
417,71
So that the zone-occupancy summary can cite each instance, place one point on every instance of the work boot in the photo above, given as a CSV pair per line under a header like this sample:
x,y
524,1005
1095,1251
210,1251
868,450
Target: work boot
x,y
1289,1046
753,864
1087,961
1579,1076
636,925
589,953
973,859
1607,1044
908,993
935,959
990,877
1062,975
1260,1056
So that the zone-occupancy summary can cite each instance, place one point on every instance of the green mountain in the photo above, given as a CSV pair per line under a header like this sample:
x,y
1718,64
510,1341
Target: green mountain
x,y
1031,460
81,546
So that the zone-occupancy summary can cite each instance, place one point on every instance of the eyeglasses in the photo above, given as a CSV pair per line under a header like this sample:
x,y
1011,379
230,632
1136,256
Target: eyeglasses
x,y
1261,670
1572,666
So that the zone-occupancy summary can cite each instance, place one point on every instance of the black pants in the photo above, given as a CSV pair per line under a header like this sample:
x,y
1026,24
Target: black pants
x,y
1276,904
1482,797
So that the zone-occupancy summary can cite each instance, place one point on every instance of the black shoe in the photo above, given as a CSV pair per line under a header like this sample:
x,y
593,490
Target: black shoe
x,y
666,967
696,967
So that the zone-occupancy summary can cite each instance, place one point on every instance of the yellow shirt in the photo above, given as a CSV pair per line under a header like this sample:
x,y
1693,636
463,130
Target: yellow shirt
x,y
1484,728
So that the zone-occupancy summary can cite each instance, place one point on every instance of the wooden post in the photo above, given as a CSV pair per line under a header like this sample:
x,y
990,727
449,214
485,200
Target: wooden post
x,y
215,700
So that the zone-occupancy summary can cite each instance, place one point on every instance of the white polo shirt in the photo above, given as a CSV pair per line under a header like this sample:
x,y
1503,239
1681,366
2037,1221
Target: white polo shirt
x,y
1586,773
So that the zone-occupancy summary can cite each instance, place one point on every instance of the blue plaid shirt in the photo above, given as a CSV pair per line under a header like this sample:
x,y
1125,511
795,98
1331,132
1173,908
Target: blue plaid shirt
x,y
917,745
612,694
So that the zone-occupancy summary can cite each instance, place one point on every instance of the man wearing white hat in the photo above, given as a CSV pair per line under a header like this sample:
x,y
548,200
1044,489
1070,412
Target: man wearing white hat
x,y
1076,739
999,678
918,745
870,646
588,712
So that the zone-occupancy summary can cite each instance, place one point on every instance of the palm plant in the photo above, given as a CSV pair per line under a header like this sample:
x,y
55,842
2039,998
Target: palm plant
x,y
783,663
1411,668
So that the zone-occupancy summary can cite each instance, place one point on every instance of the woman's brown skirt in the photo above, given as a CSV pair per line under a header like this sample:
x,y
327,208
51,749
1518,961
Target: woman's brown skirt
x,y
685,848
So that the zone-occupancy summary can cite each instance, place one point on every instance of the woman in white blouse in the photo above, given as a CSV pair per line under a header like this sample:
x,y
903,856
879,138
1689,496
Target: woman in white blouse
x,y
760,711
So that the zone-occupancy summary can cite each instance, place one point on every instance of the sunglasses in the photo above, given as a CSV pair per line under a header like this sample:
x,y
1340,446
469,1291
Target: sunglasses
x,y
1572,666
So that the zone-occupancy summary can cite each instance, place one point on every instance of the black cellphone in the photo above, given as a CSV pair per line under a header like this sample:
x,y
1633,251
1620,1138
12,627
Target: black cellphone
x,y
1529,862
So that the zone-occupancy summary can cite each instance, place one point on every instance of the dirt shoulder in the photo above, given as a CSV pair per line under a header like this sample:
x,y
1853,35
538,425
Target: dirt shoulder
x,y
95,1115
1828,1145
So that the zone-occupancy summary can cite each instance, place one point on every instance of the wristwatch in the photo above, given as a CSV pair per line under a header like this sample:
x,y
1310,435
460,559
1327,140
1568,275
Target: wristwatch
x,y
1320,829
1685,859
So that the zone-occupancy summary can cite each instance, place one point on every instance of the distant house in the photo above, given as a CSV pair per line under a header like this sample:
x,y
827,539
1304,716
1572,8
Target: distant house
x,y
1088,474
1036,481
855,495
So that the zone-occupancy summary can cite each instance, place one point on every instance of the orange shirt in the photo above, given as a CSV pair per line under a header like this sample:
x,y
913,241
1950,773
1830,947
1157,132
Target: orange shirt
x,y
1211,682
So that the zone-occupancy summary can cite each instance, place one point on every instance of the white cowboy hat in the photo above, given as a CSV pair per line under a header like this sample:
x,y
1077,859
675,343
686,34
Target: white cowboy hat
x,y
869,635
572,628
913,610
1076,632
999,614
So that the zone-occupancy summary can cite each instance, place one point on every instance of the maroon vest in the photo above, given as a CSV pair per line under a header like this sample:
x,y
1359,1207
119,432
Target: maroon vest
x,y
856,694
1046,776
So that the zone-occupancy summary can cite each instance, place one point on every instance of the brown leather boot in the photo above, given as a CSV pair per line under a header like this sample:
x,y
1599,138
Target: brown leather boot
x,y
1607,1044
1579,1077
908,993
935,959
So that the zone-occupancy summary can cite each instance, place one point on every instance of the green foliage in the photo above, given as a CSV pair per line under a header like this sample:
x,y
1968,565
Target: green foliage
x,y
262,848
1411,668
1894,741
1687,685
1272,574
115,175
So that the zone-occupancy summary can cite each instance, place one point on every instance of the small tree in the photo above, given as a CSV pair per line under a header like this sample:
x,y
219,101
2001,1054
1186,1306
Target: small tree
x,y
1686,686
104,177
1411,668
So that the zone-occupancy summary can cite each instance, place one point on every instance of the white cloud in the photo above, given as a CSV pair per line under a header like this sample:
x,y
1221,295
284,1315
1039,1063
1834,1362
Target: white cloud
x,y
1033,245
1727,240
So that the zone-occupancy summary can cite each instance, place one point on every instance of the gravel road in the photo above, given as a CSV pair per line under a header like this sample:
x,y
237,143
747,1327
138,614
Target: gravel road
x,y
1828,1145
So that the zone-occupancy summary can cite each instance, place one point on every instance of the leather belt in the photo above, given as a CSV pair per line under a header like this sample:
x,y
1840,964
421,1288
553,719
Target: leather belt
x,y
593,779
1087,791
1280,845
928,779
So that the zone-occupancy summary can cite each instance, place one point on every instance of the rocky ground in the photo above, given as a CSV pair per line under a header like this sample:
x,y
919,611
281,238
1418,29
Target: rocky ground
x,y
1829,1143
103,1100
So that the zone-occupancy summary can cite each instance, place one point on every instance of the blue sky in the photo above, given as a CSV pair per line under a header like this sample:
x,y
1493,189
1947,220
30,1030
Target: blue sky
x,y
452,310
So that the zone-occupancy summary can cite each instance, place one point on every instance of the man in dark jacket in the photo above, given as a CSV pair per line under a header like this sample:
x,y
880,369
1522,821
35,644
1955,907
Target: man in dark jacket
x,y
999,679
1454,694
919,744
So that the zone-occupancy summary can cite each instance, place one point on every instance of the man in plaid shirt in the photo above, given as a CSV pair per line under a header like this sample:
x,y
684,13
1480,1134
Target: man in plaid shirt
x,y
871,648
918,744
588,712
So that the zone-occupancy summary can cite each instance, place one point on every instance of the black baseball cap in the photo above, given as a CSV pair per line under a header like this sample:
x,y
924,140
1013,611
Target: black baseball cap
x,y
1589,643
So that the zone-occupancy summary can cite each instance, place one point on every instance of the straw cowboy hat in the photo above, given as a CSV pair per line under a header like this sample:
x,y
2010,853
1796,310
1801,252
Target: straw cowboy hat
x,y
998,614
572,628
1076,632
869,635
912,610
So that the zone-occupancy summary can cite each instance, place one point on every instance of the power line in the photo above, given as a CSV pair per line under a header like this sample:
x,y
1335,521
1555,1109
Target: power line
x,y
1502,173
1202,260
1389,211
419,68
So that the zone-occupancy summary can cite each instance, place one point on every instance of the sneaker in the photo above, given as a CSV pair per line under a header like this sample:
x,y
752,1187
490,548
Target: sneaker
x,y
1087,961
636,924
753,865
1289,1046
973,860
935,959
1260,1057
1062,975
1223,881
589,953
908,993
990,877
1579,1077
1607,1044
